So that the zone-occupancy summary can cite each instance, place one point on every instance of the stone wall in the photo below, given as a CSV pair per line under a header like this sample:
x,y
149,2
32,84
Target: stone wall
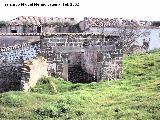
x,y
10,78
11,40
33,70
38,28
91,57
22,76
76,57
16,53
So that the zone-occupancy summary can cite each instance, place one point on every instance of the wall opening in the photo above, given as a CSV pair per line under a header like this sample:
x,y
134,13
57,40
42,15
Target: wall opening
x,y
77,75
77,72
38,29
13,31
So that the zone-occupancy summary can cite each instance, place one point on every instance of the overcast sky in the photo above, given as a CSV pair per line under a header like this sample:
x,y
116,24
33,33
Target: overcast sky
x,y
132,9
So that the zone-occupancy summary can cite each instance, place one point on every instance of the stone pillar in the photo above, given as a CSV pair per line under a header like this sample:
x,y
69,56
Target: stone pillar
x,y
65,66
25,77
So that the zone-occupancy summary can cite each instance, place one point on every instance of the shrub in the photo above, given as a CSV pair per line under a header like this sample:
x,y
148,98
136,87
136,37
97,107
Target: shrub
x,y
53,110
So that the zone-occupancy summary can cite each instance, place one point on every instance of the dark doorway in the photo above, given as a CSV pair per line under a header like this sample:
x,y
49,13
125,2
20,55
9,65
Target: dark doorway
x,y
13,31
38,29
77,75
24,28
77,72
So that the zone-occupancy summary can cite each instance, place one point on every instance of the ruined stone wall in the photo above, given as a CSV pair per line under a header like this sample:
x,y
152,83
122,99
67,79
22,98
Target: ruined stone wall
x,y
82,52
76,57
104,60
33,70
37,28
89,61
49,29
14,54
6,41
18,29
22,76
10,78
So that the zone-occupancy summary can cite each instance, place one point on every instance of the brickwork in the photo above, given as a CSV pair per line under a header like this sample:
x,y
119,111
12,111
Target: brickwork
x,y
23,75
91,56
13,40
33,70
81,51
76,57
10,78
14,54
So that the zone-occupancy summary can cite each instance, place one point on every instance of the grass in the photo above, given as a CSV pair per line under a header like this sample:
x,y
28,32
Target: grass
x,y
135,96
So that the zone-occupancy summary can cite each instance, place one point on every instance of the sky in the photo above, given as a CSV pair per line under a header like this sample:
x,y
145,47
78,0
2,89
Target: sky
x,y
131,9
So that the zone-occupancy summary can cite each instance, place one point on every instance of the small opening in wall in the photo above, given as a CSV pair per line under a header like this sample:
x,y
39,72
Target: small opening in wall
x,y
76,74
13,31
38,29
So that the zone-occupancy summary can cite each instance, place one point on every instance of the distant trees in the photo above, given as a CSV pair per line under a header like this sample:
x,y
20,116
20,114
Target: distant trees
x,y
130,33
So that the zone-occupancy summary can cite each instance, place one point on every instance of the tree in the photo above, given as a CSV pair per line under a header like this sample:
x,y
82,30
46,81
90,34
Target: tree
x,y
129,33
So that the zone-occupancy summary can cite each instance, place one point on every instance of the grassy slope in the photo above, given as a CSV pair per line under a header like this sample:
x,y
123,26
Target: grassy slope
x,y
136,96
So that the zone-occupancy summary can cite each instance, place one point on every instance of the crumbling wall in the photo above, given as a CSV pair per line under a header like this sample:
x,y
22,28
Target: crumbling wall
x,y
32,71
76,57
10,77
22,76
83,52
6,41
89,61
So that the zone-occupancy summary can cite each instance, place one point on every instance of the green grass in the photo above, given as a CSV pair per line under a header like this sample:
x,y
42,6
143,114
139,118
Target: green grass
x,y
136,96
